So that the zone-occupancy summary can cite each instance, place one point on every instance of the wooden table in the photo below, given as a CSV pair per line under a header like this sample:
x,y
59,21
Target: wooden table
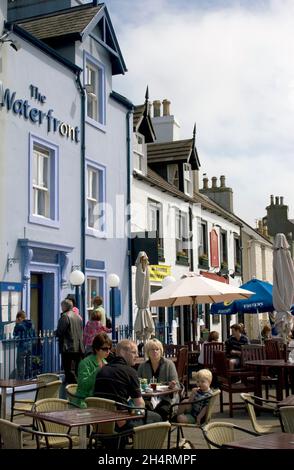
x,y
267,441
279,364
11,383
159,393
80,418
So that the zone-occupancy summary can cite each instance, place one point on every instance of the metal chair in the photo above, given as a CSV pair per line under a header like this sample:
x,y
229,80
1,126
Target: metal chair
x,y
218,434
179,426
11,436
286,415
249,401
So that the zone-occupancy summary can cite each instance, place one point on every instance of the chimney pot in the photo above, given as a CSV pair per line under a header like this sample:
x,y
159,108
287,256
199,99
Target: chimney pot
x,y
272,200
281,200
223,181
166,107
213,182
277,200
156,108
205,183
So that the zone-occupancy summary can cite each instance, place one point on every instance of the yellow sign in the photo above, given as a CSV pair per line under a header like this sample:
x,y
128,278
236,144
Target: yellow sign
x,y
159,272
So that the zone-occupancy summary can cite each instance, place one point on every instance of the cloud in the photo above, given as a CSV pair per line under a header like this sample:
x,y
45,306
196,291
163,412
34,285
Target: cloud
x,y
228,66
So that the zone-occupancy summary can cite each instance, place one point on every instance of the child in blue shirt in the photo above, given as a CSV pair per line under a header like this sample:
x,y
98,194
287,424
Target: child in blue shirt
x,y
194,408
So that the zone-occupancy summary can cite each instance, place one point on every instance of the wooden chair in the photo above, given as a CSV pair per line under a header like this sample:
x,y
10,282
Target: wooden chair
x,y
249,401
231,381
254,352
218,434
181,426
44,391
171,350
11,436
276,349
208,351
182,367
286,415
192,364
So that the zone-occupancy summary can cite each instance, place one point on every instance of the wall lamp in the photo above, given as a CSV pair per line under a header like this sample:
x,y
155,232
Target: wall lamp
x,y
12,42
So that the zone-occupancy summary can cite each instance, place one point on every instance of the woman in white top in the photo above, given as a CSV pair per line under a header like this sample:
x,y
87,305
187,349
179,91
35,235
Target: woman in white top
x,y
212,338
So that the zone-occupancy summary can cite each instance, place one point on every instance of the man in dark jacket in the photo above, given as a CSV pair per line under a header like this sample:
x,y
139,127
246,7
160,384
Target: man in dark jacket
x,y
23,332
70,334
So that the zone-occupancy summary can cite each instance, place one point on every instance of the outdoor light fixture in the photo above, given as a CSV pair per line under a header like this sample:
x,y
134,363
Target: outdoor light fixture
x,y
77,278
113,282
12,42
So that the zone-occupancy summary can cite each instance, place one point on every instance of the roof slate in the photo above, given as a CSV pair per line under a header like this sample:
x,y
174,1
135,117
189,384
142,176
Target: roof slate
x,y
138,113
60,24
177,150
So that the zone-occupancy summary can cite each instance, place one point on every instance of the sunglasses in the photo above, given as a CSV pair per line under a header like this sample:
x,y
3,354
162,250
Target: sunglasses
x,y
105,349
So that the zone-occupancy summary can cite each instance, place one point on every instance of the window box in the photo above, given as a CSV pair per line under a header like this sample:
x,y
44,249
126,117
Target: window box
x,y
224,265
203,261
238,268
182,258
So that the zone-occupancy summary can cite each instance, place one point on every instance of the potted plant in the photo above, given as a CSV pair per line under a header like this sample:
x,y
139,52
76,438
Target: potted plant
x,y
203,260
182,257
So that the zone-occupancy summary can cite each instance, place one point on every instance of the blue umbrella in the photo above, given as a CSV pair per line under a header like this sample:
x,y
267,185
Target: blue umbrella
x,y
261,301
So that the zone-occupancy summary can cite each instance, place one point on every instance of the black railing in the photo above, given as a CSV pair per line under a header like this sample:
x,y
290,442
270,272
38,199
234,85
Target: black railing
x,y
26,357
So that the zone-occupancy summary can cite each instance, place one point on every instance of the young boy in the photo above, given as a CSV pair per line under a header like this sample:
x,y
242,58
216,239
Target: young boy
x,y
194,412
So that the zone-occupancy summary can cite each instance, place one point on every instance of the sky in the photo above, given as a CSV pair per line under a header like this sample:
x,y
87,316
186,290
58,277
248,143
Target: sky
x,y
228,66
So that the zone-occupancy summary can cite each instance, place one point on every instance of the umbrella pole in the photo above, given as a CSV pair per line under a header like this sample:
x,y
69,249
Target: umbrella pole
x,y
194,320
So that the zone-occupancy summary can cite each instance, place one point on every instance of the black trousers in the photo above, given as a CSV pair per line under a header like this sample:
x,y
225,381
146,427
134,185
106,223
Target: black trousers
x,y
70,363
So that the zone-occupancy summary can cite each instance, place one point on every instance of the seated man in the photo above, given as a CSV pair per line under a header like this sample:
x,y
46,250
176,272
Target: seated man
x,y
119,381
234,343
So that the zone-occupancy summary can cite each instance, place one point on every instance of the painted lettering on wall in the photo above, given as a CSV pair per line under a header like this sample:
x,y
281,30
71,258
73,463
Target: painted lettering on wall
x,y
22,107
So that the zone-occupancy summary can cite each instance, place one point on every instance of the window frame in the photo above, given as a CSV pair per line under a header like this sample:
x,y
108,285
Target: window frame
x,y
188,181
101,187
181,232
139,156
157,206
99,276
53,182
95,64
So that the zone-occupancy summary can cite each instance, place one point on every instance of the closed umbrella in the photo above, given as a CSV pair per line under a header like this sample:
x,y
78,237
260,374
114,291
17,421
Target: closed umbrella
x,y
144,324
283,285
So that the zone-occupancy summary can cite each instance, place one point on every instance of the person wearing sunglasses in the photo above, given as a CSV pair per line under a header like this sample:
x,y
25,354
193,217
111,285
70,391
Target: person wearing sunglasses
x,y
89,367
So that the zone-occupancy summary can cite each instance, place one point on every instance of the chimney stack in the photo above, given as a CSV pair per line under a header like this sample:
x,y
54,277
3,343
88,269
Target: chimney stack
x,y
166,107
277,200
205,183
222,181
156,108
272,199
213,182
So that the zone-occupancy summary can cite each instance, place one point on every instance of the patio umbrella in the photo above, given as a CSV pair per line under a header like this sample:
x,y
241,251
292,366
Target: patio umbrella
x,y
283,285
194,289
144,324
260,301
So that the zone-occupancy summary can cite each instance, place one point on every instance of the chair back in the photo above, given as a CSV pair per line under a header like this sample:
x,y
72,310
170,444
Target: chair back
x,y
252,352
49,390
220,363
47,378
249,403
211,405
286,415
208,352
218,433
275,349
150,436
182,365
192,346
10,435
71,390
95,402
171,350
47,405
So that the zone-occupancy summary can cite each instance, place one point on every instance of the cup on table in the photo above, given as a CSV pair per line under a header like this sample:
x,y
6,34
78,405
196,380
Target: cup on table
x,y
153,385
143,384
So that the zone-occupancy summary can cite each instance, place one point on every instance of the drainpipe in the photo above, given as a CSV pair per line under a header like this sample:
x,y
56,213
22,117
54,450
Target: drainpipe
x,y
128,122
83,189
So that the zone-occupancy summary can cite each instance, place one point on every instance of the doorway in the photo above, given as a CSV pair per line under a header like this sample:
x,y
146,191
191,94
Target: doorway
x,y
42,297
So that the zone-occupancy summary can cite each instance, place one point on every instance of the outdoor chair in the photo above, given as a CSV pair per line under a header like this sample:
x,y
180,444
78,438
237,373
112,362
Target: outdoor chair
x,y
218,434
11,436
182,367
286,415
105,435
231,381
171,350
276,349
253,352
54,404
249,401
180,426
193,365
44,390
208,351
150,436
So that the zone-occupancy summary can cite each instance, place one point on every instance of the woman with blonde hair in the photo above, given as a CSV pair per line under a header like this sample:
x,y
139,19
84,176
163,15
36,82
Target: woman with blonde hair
x,y
161,369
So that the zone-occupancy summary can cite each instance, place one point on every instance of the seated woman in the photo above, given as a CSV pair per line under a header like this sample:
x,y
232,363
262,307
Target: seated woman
x,y
92,328
89,367
163,370
193,413
266,332
233,345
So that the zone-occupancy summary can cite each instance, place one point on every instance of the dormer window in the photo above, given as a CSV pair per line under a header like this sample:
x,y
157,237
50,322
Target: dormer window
x,y
139,142
188,186
173,175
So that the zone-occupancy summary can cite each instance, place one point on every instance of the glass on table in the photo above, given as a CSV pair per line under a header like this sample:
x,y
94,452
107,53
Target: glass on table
x,y
143,384
153,383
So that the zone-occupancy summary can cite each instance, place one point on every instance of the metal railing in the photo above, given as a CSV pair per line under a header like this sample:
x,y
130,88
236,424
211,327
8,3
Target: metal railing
x,y
26,357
